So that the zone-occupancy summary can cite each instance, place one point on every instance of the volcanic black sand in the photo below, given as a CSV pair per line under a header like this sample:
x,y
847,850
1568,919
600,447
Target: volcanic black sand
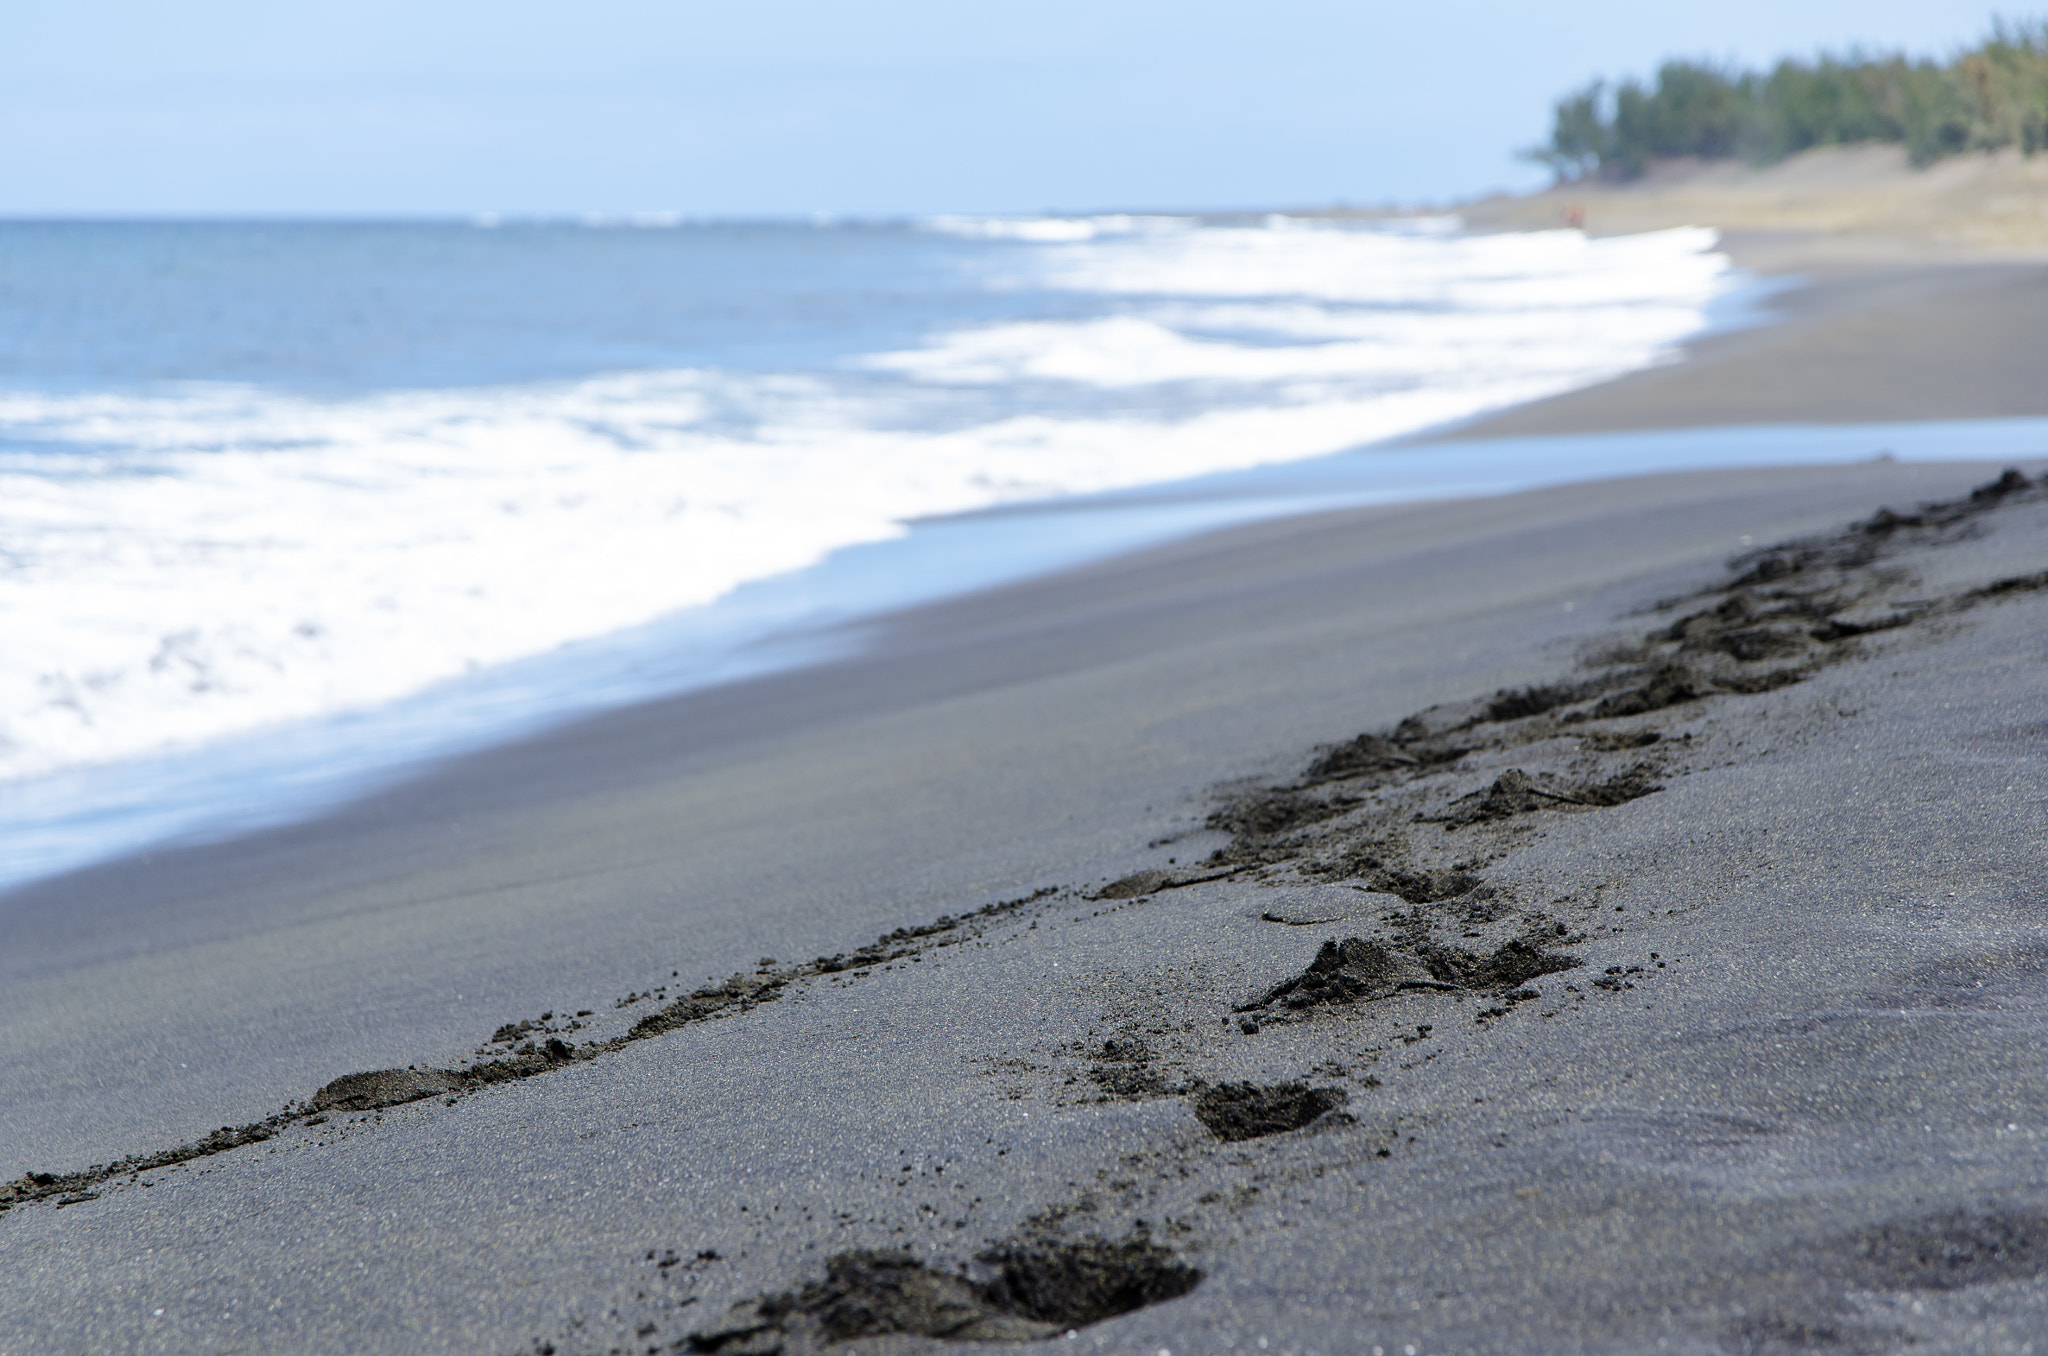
x,y
1673,978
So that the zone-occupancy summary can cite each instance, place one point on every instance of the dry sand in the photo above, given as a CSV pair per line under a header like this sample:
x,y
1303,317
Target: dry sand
x,y
1827,206
1500,925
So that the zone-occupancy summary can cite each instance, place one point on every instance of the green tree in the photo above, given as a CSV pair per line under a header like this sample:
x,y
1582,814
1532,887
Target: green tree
x,y
1991,96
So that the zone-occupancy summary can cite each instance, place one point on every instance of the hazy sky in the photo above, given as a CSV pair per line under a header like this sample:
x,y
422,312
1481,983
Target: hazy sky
x,y
794,106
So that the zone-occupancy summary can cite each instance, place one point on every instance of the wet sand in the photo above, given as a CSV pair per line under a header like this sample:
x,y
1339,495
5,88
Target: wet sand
x,y
1500,925
1849,343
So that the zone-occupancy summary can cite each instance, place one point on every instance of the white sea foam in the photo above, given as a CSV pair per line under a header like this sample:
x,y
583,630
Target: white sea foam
x,y
1311,301
194,563
1289,258
1050,230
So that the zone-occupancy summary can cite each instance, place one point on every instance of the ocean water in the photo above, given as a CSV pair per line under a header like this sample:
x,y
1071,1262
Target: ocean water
x,y
287,507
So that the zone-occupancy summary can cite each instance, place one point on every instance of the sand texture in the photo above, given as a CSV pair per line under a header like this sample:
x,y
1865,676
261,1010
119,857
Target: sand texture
x,y
1601,919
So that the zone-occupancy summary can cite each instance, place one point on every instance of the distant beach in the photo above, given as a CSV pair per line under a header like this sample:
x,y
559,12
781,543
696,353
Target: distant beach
x,y
1919,293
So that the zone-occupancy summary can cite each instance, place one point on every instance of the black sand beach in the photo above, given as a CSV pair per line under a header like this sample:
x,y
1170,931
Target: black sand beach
x,y
1607,918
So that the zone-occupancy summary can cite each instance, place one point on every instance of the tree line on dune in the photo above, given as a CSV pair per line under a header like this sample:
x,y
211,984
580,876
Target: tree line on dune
x,y
1991,96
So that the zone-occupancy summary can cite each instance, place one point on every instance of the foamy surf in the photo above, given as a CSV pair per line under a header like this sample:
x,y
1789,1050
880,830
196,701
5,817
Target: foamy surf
x,y
192,563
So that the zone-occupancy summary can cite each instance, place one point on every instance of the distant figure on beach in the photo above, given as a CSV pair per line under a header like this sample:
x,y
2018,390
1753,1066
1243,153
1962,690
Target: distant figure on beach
x,y
1575,216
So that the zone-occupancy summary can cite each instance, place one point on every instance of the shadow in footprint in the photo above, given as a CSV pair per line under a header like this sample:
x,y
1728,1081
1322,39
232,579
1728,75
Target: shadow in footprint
x,y
1237,1111
1030,1289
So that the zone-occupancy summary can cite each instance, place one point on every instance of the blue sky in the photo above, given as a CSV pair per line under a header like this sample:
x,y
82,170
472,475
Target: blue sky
x,y
374,107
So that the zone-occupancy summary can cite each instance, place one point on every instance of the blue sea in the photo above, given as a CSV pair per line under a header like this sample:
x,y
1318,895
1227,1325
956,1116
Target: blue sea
x,y
286,508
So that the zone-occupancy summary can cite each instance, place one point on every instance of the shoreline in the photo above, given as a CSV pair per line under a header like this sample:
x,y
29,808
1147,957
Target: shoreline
x,y
77,822
303,695
1914,294
1050,843
1851,344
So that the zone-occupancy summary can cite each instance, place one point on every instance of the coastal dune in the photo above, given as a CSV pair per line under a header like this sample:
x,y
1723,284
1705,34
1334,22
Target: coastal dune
x,y
1861,203
1599,918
